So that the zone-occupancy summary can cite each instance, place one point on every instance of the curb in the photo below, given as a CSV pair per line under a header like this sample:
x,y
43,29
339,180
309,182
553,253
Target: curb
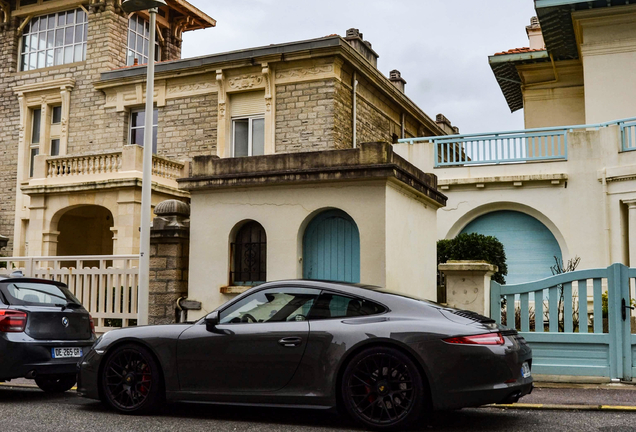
x,y
33,386
564,407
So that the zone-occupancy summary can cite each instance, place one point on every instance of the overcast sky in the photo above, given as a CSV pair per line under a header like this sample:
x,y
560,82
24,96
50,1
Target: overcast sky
x,y
440,46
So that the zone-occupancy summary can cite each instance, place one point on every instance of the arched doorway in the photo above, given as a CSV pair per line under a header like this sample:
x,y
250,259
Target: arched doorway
x,y
529,245
85,230
331,248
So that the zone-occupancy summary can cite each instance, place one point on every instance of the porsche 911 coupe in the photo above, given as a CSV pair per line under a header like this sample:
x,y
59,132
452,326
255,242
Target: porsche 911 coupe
x,y
383,357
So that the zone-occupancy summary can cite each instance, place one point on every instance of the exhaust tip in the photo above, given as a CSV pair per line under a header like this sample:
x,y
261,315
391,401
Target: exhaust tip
x,y
31,374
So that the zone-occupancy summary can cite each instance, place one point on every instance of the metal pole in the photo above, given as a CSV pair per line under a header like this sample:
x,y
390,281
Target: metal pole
x,y
146,186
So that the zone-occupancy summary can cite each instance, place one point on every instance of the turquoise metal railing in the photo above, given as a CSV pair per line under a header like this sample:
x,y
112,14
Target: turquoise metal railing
x,y
576,323
526,145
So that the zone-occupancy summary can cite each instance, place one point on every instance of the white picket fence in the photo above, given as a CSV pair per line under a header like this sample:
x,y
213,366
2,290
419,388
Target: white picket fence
x,y
107,285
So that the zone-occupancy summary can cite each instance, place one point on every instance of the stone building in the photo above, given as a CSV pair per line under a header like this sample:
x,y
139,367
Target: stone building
x,y
73,95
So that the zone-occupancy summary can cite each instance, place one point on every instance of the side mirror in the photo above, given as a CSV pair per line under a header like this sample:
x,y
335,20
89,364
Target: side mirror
x,y
211,321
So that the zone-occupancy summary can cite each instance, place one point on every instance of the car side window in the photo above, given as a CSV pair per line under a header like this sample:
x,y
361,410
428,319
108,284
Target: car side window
x,y
331,305
271,305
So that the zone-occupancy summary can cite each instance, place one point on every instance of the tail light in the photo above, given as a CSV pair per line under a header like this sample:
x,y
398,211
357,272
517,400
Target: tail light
x,y
92,323
480,339
12,321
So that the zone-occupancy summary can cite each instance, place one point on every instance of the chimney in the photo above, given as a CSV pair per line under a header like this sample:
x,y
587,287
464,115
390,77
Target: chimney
x,y
535,36
354,37
446,125
396,79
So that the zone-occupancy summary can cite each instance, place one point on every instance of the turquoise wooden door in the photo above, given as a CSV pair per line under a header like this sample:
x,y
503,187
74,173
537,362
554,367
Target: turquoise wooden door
x,y
331,248
529,245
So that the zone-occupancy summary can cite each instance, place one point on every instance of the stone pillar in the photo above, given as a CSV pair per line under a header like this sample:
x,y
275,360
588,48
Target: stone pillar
x,y
468,285
169,259
631,230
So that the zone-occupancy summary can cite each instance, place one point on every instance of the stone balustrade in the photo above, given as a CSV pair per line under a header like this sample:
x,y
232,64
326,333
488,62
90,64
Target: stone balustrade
x,y
128,163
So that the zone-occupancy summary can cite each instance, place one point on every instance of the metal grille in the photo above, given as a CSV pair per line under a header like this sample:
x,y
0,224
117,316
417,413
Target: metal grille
x,y
249,254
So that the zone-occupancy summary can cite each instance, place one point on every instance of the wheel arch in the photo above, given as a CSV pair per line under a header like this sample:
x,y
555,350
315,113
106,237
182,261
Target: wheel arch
x,y
129,341
384,343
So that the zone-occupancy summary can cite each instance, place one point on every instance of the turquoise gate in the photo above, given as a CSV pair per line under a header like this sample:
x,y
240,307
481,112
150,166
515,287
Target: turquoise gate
x,y
577,323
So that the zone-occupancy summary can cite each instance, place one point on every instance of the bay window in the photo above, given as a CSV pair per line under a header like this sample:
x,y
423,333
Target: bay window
x,y
54,39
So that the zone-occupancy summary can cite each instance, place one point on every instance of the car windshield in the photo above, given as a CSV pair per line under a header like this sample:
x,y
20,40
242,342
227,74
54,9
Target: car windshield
x,y
35,293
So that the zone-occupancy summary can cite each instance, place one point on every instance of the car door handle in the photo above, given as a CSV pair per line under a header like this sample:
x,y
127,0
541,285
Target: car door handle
x,y
290,341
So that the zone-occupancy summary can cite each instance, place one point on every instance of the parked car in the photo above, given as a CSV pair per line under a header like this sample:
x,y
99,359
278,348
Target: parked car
x,y
384,357
44,331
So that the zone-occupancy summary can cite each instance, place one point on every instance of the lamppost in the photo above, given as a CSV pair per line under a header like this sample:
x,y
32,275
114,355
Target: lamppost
x,y
144,244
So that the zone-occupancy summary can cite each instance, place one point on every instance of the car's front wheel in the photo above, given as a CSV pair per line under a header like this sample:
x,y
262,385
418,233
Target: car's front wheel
x,y
382,389
55,383
130,380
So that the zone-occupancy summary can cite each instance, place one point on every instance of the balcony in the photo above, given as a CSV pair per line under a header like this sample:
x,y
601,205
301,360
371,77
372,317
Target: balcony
x,y
97,170
521,146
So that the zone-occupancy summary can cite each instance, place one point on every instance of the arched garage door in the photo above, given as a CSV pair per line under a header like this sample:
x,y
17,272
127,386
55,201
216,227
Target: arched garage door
x,y
331,248
529,245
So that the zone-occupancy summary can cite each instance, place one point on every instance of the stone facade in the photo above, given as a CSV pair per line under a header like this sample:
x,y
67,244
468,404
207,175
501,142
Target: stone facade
x,y
305,116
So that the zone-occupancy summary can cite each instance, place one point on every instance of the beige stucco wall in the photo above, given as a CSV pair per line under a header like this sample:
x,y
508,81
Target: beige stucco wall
x,y
396,239
411,252
587,218
607,41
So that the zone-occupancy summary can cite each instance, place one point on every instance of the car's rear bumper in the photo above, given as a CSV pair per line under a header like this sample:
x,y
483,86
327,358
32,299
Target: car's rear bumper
x,y
30,357
506,393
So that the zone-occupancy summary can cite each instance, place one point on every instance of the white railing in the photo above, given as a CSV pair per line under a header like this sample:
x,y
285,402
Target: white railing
x,y
66,166
107,285
166,168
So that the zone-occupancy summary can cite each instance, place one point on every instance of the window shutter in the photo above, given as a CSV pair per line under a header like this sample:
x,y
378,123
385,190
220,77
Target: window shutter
x,y
247,104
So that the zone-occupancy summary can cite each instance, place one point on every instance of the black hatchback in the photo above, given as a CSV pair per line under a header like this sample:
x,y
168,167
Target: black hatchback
x,y
44,331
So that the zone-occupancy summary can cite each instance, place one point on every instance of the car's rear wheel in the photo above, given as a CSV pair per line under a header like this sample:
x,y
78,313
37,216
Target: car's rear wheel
x,y
55,383
382,389
130,380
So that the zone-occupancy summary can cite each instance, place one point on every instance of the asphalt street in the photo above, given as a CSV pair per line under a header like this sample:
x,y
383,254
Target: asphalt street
x,y
28,409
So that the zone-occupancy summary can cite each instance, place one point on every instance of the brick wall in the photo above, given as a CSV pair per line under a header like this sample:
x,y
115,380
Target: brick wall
x,y
371,125
187,127
305,116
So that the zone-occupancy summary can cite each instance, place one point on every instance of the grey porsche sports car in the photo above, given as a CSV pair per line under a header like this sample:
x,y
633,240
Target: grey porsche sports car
x,y
383,357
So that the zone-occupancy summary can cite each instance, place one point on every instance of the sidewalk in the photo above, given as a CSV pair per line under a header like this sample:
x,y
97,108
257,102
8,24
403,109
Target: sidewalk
x,y
595,397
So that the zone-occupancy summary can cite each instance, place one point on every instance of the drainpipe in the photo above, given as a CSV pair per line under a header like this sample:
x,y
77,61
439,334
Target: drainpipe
x,y
355,109
403,123
606,219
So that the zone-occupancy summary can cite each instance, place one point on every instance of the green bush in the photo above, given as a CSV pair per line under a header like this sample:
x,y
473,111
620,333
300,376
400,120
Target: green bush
x,y
475,247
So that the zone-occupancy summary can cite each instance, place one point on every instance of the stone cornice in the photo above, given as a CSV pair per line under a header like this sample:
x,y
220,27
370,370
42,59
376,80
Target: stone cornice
x,y
93,186
370,161
55,84
514,181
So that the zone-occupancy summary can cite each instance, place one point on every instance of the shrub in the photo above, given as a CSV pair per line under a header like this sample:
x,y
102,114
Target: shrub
x,y
475,247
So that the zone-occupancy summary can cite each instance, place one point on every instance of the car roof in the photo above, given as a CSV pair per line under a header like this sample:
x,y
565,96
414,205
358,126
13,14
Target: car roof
x,y
10,279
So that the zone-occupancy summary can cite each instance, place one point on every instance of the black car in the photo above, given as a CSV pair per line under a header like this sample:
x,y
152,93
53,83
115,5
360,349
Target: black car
x,y
383,357
44,331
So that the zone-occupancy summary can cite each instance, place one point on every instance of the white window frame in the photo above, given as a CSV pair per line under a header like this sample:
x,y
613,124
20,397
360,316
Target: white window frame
x,y
250,143
35,145
25,65
131,128
146,38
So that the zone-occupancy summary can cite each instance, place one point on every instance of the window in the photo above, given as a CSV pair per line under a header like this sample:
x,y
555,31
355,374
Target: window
x,y
54,39
337,306
248,136
137,120
34,147
271,305
138,40
56,121
249,255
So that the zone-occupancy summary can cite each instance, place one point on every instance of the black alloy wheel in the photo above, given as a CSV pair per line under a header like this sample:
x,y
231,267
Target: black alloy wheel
x,y
382,389
55,383
131,382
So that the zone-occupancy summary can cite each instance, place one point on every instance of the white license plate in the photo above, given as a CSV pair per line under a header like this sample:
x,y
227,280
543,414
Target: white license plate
x,y
66,352
525,370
